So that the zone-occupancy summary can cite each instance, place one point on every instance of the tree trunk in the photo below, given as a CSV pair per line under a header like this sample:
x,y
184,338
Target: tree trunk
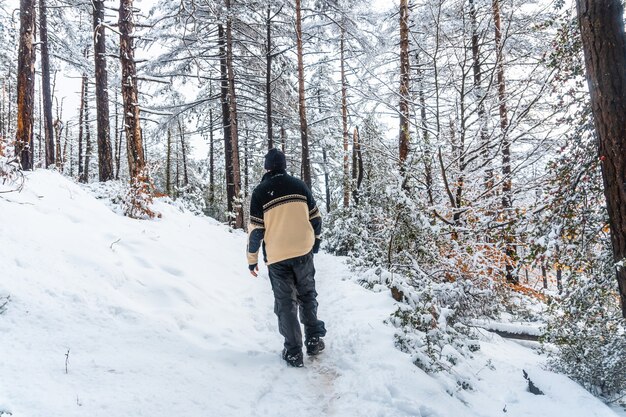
x,y
304,129
232,101
428,168
507,202
118,139
81,125
25,85
268,78
168,164
326,178
480,99
357,165
130,95
45,83
211,160
404,84
183,148
344,119
604,43
88,144
105,159
228,152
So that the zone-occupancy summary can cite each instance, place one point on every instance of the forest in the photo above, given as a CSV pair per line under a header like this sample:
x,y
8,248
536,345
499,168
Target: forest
x,y
468,156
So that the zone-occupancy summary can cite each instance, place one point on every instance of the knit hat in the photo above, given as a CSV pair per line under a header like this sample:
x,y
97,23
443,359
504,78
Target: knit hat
x,y
275,160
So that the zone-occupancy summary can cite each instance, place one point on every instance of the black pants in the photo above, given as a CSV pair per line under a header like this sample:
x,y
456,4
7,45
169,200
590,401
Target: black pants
x,y
293,283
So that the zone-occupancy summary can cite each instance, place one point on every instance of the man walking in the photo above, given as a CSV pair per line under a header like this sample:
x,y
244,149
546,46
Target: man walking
x,y
284,216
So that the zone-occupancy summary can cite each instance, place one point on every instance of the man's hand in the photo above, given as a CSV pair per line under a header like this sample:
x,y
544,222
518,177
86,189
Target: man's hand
x,y
254,268
316,246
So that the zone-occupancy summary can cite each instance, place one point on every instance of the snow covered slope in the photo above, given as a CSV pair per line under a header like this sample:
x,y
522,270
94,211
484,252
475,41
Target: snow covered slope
x,y
161,318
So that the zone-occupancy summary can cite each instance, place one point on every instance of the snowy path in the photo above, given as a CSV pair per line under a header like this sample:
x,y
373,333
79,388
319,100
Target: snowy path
x,y
161,318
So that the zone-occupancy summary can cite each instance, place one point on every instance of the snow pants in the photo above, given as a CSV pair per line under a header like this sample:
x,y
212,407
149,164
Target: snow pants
x,y
293,283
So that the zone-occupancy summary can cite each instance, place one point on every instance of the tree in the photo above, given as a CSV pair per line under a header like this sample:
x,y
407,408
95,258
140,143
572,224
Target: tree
x,y
304,129
105,159
45,83
404,83
26,85
134,142
604,44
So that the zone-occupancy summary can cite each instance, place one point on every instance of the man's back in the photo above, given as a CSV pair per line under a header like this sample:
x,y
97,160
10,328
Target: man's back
x,y
283,206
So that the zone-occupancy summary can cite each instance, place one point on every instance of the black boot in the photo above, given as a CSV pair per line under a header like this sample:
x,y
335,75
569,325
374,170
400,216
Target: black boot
x,y
294,360
314,346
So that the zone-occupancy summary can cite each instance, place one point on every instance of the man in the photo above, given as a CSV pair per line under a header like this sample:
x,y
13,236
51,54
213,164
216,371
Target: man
x,y
284,216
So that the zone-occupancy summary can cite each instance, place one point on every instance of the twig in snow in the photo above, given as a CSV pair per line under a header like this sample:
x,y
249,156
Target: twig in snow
x,y
67,359
117,241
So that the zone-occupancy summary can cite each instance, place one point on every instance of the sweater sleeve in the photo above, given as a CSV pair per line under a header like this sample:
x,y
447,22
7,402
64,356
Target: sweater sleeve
x,y
256,230
315,216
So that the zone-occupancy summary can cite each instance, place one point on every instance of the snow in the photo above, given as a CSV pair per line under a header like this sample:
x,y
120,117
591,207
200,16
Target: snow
x,y
162,318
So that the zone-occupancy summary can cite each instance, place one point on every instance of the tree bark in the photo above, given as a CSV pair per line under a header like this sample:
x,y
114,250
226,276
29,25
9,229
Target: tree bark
x,y
45,83
168,164
183,148
134,142
507,203
344,118
228,152
604,43
88,144
211,160
25,86
118,140
304,129
232,101
268,78
357,165
404,84
81,125
105,159
480,99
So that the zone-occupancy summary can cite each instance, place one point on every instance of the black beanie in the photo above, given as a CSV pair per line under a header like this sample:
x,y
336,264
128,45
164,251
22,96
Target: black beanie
x,y
275,160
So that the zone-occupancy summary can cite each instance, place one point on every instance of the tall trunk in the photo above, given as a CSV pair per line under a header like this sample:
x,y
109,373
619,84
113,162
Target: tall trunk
x,y
25,85
404,84
40,148
232,101
246,162
268,78
65,143
357,164
58,131
304,129
118,139
283,137
604,43
228,152
507,202
480,99
326,178
134,143
88,144
81,124
344,118
45,82
211,160
105,159
168,164
183,148
428,168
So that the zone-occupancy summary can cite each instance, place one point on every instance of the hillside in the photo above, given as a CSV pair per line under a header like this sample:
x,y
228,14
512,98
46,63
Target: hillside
x,y
109,316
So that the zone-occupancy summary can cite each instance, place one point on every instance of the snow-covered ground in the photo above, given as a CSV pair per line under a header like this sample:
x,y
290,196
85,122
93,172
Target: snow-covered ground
x,y
161,318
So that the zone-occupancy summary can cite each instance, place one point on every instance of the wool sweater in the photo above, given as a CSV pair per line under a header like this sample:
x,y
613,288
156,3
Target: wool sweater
x,y
284,216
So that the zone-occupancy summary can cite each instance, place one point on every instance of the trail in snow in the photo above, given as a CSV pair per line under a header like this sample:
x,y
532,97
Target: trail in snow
x,y
161,318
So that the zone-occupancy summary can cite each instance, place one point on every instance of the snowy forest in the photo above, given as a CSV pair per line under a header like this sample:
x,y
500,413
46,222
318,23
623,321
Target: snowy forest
x,y
468,158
